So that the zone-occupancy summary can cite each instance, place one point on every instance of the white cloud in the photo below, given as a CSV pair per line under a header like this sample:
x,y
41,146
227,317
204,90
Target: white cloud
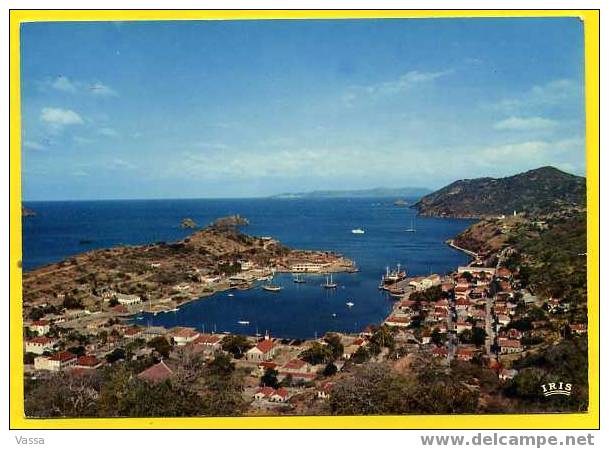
x,y
107,132
549,94
80,140
63,84
120,164
102,90
403,83
524,124
31,145
58,118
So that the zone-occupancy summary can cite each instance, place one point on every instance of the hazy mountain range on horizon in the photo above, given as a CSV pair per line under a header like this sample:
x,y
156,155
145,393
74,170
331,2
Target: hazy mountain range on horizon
x,y
377,192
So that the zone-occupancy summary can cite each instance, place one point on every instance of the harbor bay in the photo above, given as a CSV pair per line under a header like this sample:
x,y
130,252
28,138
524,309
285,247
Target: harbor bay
x,y
298,310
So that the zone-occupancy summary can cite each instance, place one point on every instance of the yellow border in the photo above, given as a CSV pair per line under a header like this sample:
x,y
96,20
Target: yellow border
x,y
589,420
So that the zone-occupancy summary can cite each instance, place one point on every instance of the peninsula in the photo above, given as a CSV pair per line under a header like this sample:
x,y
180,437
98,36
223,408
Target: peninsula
x,y
160,276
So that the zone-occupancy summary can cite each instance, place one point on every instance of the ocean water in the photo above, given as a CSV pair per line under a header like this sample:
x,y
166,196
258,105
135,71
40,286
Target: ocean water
x,y
61,229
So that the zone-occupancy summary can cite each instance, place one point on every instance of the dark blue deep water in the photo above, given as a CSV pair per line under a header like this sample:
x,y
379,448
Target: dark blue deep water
x,y
61,229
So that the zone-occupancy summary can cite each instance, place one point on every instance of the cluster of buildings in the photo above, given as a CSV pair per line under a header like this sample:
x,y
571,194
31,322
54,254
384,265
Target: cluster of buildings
x,y
476,312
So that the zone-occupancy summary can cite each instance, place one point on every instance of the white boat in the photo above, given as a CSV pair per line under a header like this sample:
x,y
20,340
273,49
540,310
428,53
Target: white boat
x,y
298,279
412,227
333,315
329,283
357,231
140,318
231,295
350,304
243,322
270,287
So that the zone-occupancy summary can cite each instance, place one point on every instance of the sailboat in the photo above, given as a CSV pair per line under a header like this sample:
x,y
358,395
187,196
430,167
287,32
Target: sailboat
x,y
411,228
298,279
270,287
329,283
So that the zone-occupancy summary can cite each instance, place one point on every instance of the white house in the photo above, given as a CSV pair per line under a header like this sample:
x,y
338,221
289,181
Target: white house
x,y
38,345
56,362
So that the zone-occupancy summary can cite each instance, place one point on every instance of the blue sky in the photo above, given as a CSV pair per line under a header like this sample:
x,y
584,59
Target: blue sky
x,y
239,109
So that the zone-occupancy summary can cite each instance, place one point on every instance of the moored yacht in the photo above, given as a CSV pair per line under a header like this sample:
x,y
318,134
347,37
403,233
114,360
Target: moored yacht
x,y
329,283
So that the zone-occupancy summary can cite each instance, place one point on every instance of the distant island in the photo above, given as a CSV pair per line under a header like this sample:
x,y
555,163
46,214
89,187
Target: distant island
x,y
379,192
535,192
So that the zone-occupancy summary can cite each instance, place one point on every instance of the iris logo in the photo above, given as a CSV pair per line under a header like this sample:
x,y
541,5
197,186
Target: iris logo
x,y
556,388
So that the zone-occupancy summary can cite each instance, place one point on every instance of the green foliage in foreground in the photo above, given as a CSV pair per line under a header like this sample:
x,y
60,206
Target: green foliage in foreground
x,y
196,389
565,362
375,389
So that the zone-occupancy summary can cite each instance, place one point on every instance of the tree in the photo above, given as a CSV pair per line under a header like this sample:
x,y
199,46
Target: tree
x,y
160,345
360,356
383,337
237,345
317,354
437,337
62,395
330,370
269,379
465,336
116,355
71,302
335,344
478,336
221,365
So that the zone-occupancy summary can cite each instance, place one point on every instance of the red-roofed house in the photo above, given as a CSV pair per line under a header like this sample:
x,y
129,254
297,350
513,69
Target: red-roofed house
x,y
41,327
263,351
88,362
133,332
156,373
507,346
55,362
38,345
264,393
296,367
465,354
280,395
183,335
579,328
323,392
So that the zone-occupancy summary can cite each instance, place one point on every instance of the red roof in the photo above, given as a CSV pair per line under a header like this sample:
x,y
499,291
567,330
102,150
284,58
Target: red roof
x,y
326,387
120,309
204,339
184,332
440,351
62,356
266,391
132,331
40,323
156,373
398,319
268,365
281,392
509,343
265,345
294,364
41,340
88,360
